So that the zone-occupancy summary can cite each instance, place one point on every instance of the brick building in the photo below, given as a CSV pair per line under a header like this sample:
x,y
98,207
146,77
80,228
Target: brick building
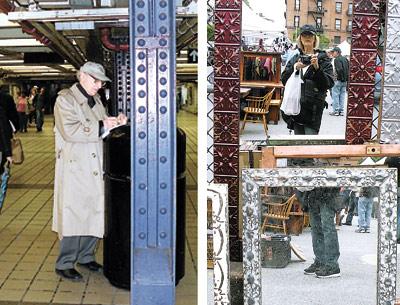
x,y
331,18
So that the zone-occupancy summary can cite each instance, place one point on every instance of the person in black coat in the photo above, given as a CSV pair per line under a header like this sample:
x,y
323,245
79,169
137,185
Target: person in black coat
x,y
341,73
8,113
316,70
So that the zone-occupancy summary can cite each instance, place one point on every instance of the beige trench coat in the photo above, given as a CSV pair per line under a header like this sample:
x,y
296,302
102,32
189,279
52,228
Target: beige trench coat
x,y
78,186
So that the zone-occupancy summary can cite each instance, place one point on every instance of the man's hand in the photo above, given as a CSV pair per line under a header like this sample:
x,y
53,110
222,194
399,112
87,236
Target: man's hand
x,y
10,159
122,119
110,122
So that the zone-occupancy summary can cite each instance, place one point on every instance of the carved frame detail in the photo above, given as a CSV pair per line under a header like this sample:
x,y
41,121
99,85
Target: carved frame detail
x,y
218,193
384,178
227,19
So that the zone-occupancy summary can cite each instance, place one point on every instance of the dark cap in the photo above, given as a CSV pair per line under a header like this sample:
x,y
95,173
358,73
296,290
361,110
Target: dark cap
x,y
308,29
337,49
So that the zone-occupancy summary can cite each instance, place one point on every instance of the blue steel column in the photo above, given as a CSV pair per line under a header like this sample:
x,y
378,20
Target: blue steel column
x,y
152,53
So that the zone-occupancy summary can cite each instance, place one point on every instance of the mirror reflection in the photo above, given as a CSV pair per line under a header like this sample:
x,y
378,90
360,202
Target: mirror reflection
x,y
319,242
272,43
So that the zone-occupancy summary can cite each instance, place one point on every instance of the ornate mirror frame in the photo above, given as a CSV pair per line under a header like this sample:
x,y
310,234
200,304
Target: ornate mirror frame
x,y
384,178
218,194
223,97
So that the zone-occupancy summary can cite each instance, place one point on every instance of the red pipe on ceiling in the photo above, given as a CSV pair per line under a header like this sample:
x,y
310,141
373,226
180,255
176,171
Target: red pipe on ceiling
x,y
105,34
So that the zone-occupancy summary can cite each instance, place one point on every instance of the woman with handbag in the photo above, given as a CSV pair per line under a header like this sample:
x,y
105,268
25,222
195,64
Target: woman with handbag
x,y
316,71
22,107
8,114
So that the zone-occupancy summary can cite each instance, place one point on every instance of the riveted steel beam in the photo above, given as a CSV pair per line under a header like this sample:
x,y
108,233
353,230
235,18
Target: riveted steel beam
x,y
152,55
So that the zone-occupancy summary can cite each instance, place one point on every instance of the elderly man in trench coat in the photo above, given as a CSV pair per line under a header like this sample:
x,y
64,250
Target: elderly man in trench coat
x,y
78,213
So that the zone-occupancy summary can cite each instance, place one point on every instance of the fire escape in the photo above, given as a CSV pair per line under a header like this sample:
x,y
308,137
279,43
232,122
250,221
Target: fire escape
x,y
317,13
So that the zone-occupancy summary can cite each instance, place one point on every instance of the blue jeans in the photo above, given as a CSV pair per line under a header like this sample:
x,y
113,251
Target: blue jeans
x,y
364,212
323,232
338,94
39,119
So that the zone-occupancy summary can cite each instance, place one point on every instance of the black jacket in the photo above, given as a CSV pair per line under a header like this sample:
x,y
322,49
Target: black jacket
x,y
8,112
341,68
313,90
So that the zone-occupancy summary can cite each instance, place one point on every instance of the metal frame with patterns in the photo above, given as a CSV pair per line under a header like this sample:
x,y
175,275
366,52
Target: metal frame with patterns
x,y
383,178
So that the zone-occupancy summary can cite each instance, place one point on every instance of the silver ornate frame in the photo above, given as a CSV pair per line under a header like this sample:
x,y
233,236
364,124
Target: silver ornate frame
x,y
384,178
218,193
390,115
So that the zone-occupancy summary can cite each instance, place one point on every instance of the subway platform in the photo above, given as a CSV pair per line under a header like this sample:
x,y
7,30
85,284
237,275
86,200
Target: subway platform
x,y
28,247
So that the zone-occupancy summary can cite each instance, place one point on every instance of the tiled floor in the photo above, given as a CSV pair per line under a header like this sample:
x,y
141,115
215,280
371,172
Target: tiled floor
x,y
28,247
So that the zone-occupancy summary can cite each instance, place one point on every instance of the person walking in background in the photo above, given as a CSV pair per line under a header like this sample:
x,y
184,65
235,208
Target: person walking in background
x,y
260,47
78,210
22,107
365,202
341,76
8,113
351,208
40,104
315,69
32,98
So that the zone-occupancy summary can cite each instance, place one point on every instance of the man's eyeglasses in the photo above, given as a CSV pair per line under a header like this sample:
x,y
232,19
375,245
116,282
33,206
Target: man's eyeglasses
x,y
97,81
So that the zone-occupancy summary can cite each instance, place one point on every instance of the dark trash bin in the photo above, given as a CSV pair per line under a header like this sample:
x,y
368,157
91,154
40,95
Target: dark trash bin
x,y
180,204
116,250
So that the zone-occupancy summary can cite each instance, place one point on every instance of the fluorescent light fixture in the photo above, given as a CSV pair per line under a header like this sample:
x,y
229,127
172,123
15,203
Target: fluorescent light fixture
x,y
28,69
71,67
5,23
19,43
11,61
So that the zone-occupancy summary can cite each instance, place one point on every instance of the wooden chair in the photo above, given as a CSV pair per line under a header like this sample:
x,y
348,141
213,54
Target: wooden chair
x,y
278,212
258,106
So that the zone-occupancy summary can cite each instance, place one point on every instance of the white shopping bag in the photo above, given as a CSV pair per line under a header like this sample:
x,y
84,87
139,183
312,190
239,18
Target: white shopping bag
x,y
291,98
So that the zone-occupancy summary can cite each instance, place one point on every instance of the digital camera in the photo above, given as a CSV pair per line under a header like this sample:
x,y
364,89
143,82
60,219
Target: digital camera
x,y
305,59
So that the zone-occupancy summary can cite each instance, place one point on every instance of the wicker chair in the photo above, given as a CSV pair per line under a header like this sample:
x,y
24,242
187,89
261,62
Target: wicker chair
x,y
278,212
258,106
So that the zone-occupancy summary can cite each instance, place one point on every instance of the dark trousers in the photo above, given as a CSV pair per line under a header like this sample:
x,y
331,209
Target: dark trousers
x,y
23,121
32,116
324,236
302,129
352,206
39,119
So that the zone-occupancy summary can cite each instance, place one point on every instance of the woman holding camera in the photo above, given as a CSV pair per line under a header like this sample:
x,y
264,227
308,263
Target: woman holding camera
x,y
316,71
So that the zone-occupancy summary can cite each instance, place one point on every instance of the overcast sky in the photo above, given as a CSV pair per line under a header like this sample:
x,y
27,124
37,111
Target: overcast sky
x,y
271,9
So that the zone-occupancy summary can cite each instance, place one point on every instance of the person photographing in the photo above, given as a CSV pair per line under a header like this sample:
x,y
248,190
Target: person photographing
x,y
316,72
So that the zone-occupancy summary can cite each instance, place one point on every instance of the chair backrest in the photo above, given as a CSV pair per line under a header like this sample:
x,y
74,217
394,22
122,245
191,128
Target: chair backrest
x,y
260,102
267,99
288,205
280,210
255,101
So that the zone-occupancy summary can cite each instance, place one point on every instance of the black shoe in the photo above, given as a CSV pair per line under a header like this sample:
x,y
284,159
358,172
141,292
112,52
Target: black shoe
x,y
92,266
347,224
316,266
328,272
69,274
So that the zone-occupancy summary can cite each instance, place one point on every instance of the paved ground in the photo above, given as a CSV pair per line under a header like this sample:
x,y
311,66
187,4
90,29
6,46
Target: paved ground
x,y
356,286
331,127
28,247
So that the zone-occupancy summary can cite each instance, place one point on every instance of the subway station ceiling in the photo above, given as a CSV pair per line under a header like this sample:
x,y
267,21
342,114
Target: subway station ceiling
x,y
50,39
